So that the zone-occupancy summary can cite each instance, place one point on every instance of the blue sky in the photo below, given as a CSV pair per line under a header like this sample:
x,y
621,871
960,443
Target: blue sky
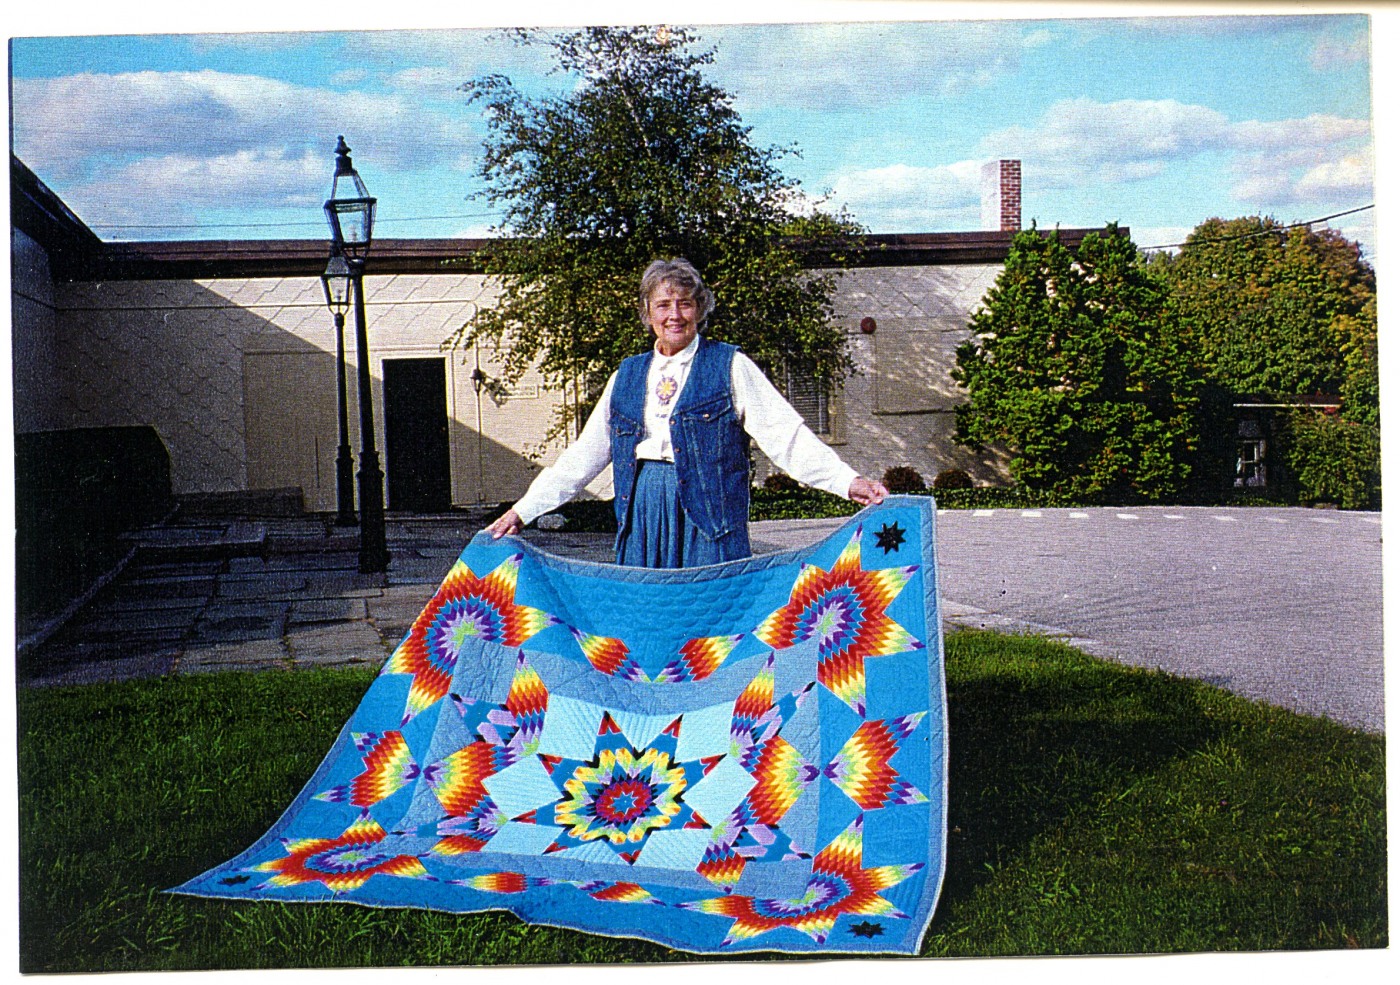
x,y
1156,122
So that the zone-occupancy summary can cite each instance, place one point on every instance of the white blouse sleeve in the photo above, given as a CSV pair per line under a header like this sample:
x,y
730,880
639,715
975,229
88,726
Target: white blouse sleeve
x,y
782,434
577,465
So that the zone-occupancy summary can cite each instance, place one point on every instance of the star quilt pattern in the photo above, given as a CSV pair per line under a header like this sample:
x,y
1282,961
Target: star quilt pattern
x,y
746,756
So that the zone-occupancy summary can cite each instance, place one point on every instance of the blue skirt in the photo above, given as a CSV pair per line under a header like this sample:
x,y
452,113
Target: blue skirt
x,y
658,533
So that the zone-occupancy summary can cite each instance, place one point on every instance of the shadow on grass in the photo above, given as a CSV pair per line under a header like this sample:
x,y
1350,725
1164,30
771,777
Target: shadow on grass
x,y
1033,741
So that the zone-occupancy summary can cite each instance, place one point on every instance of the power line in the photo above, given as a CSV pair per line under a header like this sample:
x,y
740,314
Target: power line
x,y
1261,232
305,224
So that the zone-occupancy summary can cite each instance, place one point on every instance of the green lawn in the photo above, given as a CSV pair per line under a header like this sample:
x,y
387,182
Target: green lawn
x,y
1094,808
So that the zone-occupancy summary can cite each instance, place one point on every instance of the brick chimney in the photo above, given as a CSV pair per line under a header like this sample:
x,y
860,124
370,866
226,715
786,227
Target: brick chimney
x,y
1001,195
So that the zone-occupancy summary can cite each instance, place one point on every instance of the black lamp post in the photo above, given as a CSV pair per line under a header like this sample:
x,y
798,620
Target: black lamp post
x,y
336,283
350,212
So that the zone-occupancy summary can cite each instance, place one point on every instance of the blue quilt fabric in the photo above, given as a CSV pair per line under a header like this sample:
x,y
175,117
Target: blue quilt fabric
x,y
746,756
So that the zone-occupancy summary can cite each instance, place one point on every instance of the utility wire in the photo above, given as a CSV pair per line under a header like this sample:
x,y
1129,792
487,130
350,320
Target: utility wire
x,y
491,215
1262,232
271,225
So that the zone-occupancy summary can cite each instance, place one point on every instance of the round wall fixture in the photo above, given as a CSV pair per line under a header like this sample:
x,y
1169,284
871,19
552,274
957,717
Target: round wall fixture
x,y
867,325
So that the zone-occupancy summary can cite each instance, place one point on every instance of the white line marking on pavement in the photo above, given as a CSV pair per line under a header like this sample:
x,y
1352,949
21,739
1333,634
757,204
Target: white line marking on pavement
x,y
1227,519
1323,519
1127,516
1031,513
1079,516
982,512
1174,516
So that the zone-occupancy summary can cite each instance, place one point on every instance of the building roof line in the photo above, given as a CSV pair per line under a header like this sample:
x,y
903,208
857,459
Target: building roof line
x,y
77,254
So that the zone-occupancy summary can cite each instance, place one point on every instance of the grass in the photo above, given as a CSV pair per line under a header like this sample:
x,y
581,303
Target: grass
x,y
1094,809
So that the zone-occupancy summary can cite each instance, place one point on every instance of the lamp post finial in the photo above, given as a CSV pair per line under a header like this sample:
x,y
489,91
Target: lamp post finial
x,y
342,157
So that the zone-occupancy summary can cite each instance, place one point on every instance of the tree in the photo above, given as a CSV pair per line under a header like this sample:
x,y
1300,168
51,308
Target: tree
x,y
641,159
1335,460
1271,311
1075,366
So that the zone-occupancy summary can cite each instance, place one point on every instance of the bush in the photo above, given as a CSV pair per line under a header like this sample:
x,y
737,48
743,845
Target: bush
x,y
903,479
781,482
804,504
1335,461
952,479
997,498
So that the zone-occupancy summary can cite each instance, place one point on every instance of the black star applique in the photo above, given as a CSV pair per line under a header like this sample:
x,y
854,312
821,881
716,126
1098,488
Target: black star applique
x,y
233,880
891,535
867,929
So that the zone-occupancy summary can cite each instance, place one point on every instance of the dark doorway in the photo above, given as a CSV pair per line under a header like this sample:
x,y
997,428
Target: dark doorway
x,y
418,469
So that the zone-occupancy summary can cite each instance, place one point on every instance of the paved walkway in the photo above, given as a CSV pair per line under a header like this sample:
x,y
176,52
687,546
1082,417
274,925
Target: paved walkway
x,y
205,595
278,593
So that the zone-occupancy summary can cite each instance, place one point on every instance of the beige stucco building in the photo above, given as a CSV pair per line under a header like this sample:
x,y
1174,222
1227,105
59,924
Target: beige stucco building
x,y
228,351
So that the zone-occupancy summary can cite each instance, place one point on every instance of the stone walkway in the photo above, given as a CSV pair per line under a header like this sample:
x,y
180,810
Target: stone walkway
x,y
281,593
204,595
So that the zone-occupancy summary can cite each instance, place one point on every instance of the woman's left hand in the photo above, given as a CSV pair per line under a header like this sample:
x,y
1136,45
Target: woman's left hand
x,y
507,523
867,492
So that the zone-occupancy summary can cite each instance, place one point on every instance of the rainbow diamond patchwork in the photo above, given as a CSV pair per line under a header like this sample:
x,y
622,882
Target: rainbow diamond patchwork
x,y
743,757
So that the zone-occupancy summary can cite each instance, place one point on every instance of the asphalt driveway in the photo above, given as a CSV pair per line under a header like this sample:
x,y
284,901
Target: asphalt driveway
x,y
1282,605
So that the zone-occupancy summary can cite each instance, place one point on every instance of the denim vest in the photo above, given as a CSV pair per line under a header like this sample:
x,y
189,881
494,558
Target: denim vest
x,y
710,446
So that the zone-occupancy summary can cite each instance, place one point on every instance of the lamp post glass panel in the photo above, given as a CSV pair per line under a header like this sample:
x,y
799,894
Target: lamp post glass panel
x,y
350,212
337,286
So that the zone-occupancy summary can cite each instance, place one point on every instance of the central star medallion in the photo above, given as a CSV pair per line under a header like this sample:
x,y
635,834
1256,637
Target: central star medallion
x,y
622,796
625,793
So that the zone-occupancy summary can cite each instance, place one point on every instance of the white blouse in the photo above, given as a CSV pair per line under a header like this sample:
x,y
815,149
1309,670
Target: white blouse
x,y
766,417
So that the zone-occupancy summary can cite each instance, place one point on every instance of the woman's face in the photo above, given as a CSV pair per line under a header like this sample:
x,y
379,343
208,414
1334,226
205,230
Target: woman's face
x,y
672,314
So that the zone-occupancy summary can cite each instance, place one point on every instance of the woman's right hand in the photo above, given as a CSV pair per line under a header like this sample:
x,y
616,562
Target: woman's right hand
x,y
507,523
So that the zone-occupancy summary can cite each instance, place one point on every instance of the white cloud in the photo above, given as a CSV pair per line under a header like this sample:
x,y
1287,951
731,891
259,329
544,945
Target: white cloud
x,y
1080,139
1223,26
410,58
428,80
63,124
176,188
1322,176
142,147
833,66
349,77
1352,175
1262,187
1360,228
1317,162
1319,159
1296,136
1333,52
1275,162
903,197
1150,237
201,181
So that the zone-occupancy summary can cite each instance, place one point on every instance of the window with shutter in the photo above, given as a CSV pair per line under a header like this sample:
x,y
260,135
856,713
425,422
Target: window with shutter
x,y
807,396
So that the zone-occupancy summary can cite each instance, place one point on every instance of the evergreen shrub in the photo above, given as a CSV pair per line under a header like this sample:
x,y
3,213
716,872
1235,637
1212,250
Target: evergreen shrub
x,y
903,479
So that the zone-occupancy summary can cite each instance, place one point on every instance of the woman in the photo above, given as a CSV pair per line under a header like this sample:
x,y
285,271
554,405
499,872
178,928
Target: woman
x,y
675,422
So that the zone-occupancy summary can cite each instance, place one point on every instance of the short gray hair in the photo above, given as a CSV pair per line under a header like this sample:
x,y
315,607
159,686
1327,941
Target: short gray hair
x,y
680,272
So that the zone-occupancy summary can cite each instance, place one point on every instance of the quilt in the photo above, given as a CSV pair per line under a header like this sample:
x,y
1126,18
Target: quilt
x,y
745,756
